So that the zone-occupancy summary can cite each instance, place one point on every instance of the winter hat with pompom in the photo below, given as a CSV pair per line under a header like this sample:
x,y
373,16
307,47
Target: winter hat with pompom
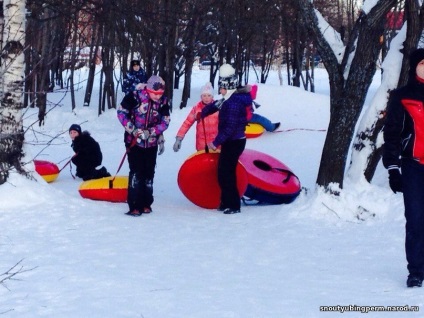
x,y
416,57
227,77
207,89
155,84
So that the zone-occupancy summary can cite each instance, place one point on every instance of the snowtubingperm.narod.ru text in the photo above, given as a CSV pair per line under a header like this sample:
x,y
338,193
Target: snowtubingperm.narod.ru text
x,y
367,309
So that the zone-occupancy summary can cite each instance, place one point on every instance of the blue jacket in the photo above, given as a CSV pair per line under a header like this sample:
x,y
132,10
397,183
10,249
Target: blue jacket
x,y
132,79
232,119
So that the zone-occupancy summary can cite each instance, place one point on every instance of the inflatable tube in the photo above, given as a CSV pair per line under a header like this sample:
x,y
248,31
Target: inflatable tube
x,y
253,130
198,179
270,181
47,170
104,190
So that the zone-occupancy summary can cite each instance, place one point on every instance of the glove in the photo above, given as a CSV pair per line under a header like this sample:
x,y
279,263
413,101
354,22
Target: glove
x,y
161,145
218,103
140,86
177,144
141,134
211,146
395,180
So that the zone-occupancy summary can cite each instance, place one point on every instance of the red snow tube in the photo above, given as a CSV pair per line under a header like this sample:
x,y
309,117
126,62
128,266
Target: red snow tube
x,y
198,179
105,190
49,171
270,181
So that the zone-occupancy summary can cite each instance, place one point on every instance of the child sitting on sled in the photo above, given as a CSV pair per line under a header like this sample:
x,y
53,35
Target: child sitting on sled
x,y
87,154
252,117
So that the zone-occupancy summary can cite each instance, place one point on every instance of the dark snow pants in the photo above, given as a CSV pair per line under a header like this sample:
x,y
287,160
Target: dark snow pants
x,y
142,162
227,164
413,197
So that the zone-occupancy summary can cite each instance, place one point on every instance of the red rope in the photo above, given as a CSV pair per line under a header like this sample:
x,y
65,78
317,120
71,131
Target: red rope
x,y
305,129
133,142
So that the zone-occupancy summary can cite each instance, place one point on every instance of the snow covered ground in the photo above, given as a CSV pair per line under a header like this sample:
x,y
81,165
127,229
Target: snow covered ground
x,y
83,258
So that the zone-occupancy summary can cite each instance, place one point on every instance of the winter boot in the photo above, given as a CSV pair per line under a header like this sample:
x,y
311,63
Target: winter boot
x,y
147,210
414,281
231,211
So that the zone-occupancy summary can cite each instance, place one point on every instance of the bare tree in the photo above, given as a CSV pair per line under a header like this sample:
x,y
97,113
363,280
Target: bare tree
x,y
350,72
370,128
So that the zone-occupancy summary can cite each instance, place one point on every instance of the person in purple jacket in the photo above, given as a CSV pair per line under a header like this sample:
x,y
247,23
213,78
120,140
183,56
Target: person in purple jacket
x,y
231,137
145,116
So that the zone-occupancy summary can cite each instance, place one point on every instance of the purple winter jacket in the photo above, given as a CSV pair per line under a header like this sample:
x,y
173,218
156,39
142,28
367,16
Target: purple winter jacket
x,y
232,118
138,111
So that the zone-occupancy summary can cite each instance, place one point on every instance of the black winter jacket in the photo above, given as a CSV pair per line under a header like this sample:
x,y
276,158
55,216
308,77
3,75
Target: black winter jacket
x,y
88,154
404,125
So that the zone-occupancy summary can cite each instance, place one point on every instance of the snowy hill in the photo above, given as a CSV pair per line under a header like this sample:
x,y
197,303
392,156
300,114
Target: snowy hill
x,y
84,258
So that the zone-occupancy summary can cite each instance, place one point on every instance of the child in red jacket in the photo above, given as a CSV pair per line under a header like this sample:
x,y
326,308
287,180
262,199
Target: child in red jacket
x,y
206,129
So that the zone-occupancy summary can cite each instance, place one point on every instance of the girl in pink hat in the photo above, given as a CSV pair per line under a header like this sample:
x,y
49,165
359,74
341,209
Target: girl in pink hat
x,y
206,129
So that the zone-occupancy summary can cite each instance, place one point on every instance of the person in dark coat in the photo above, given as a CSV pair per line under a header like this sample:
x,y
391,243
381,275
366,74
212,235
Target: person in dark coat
x,y
403,156
232,121
87,154
135,78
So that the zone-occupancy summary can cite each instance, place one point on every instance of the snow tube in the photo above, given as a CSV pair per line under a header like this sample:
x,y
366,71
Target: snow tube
x,y
198,179
105,190
49,171
269,180
254,130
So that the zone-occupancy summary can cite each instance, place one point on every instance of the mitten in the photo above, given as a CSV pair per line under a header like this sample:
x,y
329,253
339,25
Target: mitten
x,y
218,103
140,86
161,145
395,180
211,146
141,134
137,132
177,144
145,135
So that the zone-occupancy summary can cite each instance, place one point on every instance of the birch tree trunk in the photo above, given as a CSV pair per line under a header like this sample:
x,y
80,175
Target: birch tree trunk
x,y
12,71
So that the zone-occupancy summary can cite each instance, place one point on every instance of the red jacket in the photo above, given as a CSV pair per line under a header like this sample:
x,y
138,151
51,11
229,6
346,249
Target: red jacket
x,y
211,126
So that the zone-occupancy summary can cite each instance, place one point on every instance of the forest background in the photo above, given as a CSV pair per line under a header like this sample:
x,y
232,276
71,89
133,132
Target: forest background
x,y
41,39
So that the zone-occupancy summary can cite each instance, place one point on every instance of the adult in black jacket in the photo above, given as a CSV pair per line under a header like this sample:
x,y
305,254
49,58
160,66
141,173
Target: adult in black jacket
x,y
87,154
403,156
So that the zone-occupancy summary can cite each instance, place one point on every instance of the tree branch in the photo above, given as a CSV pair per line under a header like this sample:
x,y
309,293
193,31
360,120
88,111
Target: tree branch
x,y
10,274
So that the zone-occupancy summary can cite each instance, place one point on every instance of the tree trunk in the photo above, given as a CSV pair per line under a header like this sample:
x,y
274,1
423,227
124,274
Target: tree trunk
x,y
415,17
189,55
43,67
73,62
349,83
370,129
12,68
92,66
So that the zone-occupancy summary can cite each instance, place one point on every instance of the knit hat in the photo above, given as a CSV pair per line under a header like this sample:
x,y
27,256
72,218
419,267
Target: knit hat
x,y
75,127
416,57
207,89
155,84
134,62
227,77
